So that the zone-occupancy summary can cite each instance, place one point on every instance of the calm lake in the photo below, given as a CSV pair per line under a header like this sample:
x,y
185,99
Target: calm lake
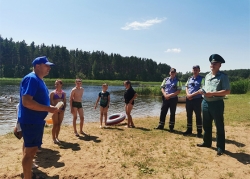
x,y
144,106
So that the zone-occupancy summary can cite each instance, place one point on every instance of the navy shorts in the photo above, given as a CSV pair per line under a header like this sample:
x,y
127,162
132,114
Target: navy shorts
x,y
32,134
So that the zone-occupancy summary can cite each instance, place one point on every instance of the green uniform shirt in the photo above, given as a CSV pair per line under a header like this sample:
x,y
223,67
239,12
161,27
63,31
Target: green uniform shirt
x,y
216,83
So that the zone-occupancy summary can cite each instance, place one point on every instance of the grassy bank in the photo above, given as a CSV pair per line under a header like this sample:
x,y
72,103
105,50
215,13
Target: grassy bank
x,y
72,81
147,90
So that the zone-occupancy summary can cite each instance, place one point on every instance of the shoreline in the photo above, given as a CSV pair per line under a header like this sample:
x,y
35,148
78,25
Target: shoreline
x,y
91,122
68,121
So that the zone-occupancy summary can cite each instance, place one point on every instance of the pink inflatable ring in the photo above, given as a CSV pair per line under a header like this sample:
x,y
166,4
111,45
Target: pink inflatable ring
x,y
115,118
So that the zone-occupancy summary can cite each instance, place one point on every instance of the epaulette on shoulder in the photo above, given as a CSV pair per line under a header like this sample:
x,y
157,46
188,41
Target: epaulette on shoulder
x,y
223,73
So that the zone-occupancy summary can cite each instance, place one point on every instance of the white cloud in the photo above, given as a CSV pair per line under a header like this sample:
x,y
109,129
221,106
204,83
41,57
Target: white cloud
x,y
142,25
173,50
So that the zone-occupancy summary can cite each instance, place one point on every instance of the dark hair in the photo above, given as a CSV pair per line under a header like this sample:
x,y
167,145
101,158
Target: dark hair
x,y
60,81
78,80
127,82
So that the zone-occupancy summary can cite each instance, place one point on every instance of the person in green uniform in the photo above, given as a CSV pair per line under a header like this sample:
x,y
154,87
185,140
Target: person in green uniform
x,y
215,88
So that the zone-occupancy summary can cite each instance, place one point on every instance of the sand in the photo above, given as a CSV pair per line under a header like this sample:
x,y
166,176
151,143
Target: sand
x,y
141,152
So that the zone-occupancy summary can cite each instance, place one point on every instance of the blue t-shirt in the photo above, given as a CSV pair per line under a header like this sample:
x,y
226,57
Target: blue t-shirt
x,y
32,85
171,85
194,84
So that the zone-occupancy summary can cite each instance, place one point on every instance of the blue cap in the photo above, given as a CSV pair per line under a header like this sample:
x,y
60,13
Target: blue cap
x,y
40,60
196,66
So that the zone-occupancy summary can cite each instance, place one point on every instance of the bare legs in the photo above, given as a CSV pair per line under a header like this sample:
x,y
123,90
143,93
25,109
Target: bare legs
x,y
80,112
103,113
28,156
128,109
57,121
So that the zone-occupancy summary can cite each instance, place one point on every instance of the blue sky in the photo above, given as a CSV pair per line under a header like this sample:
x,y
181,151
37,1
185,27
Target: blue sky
x,y
180,33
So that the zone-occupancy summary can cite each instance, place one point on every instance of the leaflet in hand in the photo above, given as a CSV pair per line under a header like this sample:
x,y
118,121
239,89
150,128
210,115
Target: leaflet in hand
x,y
58,105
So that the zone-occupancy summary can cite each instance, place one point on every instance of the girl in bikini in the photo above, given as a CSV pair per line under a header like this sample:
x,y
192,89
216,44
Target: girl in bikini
x,y
55,96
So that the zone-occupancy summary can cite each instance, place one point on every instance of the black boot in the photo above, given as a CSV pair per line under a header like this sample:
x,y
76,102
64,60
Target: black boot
x,y
160,127
171,128
199,133
188,132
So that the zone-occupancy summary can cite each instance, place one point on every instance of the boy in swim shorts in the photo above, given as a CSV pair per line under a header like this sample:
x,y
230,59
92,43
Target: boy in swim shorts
x,y
104,103
75,101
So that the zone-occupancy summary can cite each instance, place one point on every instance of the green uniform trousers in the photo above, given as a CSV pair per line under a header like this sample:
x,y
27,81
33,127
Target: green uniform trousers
x,y
213,110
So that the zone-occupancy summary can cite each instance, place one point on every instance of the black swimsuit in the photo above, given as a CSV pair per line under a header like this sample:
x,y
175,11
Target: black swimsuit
x,y
76,104
128,95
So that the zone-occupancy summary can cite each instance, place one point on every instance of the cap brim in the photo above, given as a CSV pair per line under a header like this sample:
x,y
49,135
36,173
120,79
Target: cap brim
x,y
49,63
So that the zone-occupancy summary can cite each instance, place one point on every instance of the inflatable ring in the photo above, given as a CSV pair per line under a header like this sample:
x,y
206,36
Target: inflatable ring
x,y
49,121
115,118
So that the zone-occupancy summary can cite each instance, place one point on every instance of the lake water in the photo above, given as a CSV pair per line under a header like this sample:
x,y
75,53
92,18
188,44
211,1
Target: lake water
x,y
144,106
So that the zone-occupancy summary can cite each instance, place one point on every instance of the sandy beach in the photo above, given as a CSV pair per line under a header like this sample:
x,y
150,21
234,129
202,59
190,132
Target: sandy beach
x,y
141,152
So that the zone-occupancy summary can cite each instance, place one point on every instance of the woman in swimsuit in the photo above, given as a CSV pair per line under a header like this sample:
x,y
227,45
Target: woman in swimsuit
x,y
55,96
129,96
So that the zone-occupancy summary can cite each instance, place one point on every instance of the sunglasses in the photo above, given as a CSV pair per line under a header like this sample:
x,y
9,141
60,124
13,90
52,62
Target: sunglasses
x,y
172,72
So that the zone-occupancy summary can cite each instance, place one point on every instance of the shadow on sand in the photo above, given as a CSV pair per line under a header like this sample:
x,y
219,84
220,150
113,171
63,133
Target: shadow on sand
x,y
44,175
68,145
48,158
88,137
240,156
142,128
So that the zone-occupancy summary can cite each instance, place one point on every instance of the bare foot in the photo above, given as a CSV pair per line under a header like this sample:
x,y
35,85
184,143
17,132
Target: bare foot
x,y
83,133
58,141
34,165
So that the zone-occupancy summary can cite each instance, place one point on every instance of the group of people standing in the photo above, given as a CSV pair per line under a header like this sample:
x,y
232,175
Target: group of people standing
x,y
204,97
36,102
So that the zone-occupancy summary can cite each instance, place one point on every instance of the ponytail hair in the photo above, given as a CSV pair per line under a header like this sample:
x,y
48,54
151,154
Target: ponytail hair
x,y
127,82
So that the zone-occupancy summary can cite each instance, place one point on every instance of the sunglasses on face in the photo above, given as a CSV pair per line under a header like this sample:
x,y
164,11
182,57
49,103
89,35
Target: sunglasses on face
x,y
172,72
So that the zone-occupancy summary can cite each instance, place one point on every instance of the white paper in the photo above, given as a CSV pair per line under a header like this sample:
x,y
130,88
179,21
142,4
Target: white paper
x,y
58,105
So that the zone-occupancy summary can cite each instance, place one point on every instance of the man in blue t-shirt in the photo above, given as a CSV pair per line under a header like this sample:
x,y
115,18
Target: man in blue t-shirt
x,y
34,107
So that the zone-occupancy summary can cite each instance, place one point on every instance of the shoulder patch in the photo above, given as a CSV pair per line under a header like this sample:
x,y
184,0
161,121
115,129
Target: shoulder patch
x,y
223,73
